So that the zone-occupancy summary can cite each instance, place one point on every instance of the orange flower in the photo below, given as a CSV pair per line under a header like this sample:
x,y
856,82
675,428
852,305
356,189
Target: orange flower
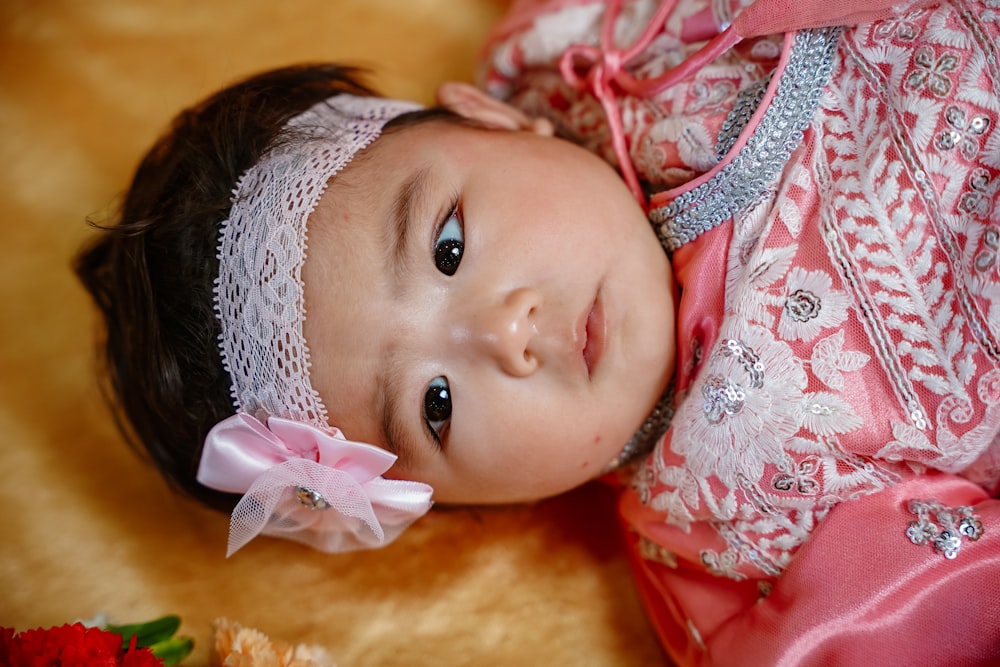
x,y
236,646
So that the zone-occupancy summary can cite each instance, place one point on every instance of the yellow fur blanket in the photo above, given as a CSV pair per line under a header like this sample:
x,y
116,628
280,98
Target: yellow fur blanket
x,y
85,87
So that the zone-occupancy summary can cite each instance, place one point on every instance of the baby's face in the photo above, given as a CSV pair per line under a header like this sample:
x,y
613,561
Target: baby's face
x,y
490,305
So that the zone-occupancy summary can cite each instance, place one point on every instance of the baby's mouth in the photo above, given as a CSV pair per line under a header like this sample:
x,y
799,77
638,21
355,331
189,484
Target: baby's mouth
x,y
595,333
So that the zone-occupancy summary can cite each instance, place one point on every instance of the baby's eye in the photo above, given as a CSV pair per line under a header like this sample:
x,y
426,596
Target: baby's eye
x,y
450,244
437,405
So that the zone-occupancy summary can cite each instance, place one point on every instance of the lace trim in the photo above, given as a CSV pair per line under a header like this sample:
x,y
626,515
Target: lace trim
x,y
259,295
746,181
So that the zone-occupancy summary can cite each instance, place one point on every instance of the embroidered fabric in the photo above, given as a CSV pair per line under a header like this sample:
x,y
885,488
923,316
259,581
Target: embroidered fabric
x,y
837,340
806,441
747,102
750,176
258,294
857,243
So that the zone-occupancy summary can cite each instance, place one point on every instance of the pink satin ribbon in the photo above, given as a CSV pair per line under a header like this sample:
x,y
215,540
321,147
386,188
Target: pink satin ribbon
x,y
307,484
601,69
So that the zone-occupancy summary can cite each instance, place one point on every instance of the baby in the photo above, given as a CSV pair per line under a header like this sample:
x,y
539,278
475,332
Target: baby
x,y
327,308
458,314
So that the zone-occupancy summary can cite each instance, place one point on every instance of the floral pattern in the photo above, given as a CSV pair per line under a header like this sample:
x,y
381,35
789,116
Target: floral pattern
x,y
751,393
987,258
943,527
932,71
904,28
811,305
963,132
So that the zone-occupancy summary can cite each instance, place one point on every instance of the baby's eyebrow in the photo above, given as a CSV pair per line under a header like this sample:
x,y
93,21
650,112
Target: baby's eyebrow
x,y
388,405
388,402
407,200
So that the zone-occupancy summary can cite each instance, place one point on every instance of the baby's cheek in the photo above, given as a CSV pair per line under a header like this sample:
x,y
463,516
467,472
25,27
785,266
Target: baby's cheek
x,y
406,471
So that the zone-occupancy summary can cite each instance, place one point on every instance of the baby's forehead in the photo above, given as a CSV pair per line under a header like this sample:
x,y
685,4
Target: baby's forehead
x,y
412,131
372,169
376,173
363,192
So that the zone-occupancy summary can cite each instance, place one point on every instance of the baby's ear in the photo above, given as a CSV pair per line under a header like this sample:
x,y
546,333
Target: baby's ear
x,y
469,101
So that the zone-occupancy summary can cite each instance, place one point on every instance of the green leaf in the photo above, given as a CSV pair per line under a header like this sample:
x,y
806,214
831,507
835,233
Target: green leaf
x,y
172,651
149,633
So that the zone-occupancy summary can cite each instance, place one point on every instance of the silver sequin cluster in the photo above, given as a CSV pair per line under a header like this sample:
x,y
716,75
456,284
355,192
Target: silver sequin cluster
x,y
747,358
722,399
943,527
746,181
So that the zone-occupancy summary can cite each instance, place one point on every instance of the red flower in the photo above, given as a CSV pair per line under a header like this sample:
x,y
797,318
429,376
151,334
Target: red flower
x,y
69,646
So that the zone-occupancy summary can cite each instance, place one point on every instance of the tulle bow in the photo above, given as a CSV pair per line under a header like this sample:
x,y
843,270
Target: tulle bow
x,y
307,484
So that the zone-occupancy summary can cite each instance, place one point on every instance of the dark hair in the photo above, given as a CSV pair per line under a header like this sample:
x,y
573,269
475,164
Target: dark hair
x,y
151,274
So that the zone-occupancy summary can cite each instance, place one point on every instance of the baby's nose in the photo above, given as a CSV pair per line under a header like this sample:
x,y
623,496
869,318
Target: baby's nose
x,y
503,331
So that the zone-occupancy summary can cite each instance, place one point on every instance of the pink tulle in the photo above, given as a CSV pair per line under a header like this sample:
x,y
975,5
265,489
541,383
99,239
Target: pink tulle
x,y
307,484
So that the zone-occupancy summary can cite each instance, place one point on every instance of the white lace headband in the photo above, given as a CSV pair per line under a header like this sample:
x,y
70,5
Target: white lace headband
x,y
259,294
292,466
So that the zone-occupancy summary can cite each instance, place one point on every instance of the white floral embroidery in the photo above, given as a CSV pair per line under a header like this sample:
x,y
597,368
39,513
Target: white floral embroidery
x,y
800,478
811,305
695,146
768,435
724,564
747,402
711,96
555,32
830,361
825,413
682,494
748,287
765,49
790,215
952,453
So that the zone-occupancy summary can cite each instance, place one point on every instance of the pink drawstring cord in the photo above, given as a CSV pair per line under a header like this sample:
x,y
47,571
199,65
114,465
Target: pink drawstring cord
x,y
603,74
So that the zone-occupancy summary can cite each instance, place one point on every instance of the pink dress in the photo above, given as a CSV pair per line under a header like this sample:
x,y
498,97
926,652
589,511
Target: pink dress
x,y
825,176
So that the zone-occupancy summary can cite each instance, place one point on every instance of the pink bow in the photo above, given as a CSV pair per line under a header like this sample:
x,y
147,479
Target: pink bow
x,y
307,484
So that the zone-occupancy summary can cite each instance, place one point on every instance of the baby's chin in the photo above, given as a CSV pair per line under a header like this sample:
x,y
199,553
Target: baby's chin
x,y
651,426
518,493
